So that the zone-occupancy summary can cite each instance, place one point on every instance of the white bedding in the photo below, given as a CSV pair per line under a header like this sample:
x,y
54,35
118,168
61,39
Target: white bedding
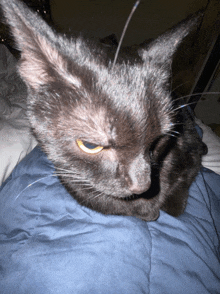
x,y
212,159
16,140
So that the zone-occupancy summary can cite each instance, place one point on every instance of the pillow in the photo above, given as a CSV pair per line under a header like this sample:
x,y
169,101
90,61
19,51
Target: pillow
x,y
212,159
51,244
16,140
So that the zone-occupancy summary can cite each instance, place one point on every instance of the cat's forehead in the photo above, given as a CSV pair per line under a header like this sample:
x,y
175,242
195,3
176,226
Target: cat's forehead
x,y
124,87
137,92
130,84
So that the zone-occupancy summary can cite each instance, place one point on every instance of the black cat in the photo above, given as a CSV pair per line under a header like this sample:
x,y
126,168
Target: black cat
x,y
119,142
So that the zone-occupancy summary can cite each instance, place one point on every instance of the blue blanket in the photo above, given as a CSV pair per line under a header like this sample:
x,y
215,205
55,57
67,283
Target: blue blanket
x,y
51,244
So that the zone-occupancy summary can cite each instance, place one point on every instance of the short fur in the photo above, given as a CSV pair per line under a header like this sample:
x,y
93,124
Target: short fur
x,y
152,151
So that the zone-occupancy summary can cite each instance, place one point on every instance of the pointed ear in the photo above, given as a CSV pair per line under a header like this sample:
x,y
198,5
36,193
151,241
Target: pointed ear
x,y
163,48
41,61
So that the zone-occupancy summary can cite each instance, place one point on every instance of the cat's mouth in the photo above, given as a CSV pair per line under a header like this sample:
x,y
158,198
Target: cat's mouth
x,y
149,194
131,197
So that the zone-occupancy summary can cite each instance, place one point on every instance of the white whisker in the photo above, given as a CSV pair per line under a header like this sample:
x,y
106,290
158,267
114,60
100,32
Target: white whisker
x,y
173,90
89,187
176,132
70,176
171,135
66,170
31,185
182,106
93,195
175,124
197,94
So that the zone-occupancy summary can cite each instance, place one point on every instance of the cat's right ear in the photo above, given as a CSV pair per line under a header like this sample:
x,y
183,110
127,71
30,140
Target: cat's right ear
x,y
162,49
41,60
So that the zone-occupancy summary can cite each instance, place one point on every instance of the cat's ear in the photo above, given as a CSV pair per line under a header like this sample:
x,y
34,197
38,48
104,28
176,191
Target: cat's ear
x,y
162,49
41,60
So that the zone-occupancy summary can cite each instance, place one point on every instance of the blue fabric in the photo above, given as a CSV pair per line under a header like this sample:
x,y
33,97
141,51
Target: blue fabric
x,y
51,244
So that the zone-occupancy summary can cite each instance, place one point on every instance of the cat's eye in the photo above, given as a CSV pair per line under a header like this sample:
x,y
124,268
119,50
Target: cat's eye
x,y
89,147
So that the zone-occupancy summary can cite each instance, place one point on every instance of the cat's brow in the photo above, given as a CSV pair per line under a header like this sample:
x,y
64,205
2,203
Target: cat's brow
x,y
91,125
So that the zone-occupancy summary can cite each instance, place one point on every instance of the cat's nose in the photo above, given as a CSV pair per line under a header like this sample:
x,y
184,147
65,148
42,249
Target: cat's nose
x,y
138,189
138,175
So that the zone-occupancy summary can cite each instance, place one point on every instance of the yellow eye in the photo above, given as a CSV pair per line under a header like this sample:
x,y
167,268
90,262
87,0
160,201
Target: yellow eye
x,y
89,147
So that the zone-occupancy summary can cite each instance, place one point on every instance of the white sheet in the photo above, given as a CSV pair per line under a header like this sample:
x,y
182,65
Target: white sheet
x,y
15,137
212,159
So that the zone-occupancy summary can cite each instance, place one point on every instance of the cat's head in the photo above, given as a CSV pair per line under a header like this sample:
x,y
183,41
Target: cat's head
x,y
96,123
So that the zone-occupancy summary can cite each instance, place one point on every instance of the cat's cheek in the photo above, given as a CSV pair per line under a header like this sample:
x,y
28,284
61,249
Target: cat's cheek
x,y
107,157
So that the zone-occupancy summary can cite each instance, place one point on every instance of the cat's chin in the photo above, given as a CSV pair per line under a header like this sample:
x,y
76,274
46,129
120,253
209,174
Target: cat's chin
x,y
151,218
134,205
137,201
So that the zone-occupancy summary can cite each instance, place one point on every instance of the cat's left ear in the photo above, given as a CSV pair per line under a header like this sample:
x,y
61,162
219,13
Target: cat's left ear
x,y
162,49
41,59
